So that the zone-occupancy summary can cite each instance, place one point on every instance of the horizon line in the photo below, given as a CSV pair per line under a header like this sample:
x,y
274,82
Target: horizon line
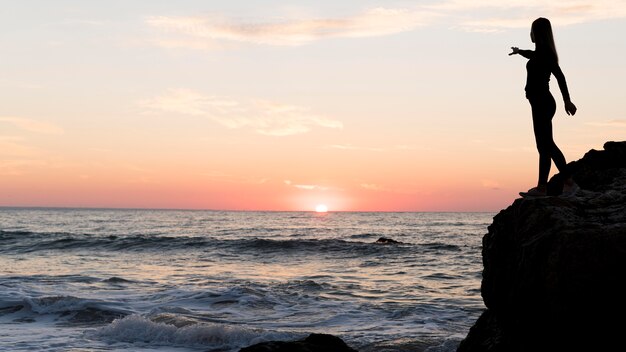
x,y
28,207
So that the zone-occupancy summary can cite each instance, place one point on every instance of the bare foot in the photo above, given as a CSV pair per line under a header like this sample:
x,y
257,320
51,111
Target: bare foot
x,y
539,191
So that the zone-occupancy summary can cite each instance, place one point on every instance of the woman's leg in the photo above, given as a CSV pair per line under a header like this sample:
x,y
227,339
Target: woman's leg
x,y
543,110
559,158
555,152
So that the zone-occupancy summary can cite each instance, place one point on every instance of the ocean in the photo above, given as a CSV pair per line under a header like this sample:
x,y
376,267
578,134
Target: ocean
x,y
169,280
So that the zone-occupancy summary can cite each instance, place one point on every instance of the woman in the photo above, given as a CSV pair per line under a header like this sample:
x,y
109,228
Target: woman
x,y
541,64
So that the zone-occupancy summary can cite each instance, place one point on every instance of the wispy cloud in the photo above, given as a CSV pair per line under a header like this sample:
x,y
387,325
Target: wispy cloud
x,y
369,23
491,184
312,187
373,187
213,31
495,15
31,125
307,187
265,117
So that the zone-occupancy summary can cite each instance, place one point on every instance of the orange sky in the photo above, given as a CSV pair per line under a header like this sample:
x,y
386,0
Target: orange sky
x,y
397,106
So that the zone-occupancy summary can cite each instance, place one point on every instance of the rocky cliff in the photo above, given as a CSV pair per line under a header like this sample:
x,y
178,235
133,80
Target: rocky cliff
x,y
554,275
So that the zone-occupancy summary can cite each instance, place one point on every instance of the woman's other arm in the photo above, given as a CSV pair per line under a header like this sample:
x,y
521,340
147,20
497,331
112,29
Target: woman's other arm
x,y
570,108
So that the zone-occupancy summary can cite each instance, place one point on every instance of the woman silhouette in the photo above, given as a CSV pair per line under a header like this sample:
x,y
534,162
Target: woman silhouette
x,y
541,64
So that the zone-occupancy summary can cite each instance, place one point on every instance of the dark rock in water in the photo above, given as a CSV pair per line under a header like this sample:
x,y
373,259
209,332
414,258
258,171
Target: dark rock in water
x,y
116,280
554,275
386,240
313,343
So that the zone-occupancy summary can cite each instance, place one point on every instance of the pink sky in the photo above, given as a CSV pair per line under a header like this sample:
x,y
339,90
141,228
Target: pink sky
x,y
246,106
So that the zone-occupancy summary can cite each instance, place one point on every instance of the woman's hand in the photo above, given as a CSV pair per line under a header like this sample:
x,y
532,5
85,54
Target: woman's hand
x,y
570,108
514,50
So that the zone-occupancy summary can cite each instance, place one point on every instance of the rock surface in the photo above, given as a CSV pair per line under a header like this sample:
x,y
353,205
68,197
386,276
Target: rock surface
x,y
313,343
554,275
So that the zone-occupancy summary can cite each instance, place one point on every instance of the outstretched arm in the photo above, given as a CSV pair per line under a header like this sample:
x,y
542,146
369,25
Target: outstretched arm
x,y
525,53
570,108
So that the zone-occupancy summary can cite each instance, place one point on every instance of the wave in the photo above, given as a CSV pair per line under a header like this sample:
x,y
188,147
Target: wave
x,y
69,309
27,242
160,331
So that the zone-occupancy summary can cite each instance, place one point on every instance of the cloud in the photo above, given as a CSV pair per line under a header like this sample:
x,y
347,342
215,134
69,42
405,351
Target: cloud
x,y
307,187
373,187
214,30
496,15
369,23
31,125
491,184
312,187
265,117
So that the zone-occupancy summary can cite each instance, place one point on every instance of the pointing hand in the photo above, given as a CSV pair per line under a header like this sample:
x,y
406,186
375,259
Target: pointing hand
x,y
514,50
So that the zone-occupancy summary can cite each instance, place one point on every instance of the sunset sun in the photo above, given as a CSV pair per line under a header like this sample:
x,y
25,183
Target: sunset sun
x,y
321,208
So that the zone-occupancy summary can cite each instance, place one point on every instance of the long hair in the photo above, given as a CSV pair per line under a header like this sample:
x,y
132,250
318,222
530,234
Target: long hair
x,y
544,39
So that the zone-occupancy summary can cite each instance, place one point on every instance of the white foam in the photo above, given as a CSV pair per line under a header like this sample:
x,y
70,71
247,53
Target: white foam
x,y
137,329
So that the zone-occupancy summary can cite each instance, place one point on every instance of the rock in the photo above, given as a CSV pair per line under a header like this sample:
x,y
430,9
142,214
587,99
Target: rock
x,y
385,240
313,343
554,275
594,170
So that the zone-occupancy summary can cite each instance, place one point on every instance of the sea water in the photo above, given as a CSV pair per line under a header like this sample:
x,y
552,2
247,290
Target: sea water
x,y
166,280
